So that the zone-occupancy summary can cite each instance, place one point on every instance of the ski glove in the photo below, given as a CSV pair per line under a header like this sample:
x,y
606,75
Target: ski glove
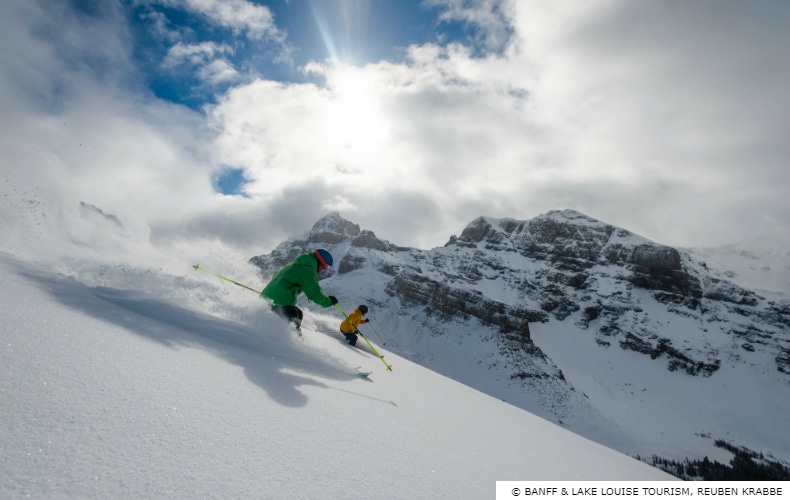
x,y
333,299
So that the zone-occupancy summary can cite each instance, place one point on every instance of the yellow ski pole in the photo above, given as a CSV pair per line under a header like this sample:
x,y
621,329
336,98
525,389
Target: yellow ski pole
x,y
389,367
198,268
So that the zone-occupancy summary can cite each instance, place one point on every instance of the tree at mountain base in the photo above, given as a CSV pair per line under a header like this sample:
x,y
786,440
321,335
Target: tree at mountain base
x,y
746,465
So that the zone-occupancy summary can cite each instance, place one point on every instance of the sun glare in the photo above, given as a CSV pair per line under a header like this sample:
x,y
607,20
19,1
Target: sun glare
x,y
356,123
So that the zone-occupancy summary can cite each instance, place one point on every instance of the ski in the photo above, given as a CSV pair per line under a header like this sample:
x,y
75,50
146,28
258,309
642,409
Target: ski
x,y
363,374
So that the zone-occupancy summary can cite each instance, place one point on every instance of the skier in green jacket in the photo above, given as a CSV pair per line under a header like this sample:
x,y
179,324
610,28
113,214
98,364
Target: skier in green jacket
x,y
299,276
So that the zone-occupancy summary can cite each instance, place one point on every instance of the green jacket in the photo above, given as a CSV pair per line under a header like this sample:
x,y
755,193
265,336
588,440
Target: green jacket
x,y
299,276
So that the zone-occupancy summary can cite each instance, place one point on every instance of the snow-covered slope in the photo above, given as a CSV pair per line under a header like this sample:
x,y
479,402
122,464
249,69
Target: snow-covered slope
x,y
763,264
110,392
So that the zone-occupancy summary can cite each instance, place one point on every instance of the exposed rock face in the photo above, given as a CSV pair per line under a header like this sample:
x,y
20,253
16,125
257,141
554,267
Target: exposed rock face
x,y
574,243
594,269
449,303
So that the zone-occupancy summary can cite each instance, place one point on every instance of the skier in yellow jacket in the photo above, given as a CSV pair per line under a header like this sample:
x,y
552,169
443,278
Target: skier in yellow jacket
x,y
349,326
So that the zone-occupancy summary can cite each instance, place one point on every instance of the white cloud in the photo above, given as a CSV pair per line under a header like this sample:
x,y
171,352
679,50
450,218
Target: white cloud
x,y
638,126
490,19
431,129
159,25
238,15
673,111
71,133
207,57
198,54
218,71
667,120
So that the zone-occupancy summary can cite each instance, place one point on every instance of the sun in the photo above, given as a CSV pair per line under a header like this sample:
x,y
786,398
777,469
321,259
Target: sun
x,y
356,122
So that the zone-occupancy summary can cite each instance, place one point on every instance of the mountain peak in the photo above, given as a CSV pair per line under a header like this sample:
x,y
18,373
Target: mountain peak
x,y
571,216
495,230
479,227
332,229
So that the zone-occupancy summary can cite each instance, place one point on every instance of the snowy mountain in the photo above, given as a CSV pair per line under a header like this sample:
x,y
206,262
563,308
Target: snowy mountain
x,y
636,345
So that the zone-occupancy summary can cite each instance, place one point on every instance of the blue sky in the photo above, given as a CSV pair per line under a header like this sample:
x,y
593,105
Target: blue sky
x,y
207,120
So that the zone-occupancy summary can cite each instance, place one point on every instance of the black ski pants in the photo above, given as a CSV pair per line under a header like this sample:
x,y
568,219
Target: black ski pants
x,y
289,313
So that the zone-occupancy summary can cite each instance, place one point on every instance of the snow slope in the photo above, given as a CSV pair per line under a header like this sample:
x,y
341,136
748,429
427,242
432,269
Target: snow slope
x,y
116,393
763,264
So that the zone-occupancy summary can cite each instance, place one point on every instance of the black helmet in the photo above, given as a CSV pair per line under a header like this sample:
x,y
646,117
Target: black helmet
x,y
363,309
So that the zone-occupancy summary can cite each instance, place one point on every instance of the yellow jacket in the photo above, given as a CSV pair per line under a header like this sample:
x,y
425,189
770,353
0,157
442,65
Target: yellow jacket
x,y
356,318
